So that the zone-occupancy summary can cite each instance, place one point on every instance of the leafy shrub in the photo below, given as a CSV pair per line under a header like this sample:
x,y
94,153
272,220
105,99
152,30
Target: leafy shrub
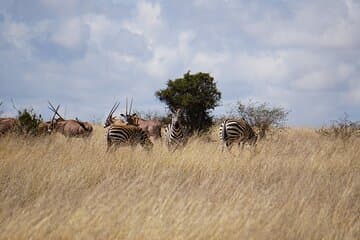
x,y
28,122
262,116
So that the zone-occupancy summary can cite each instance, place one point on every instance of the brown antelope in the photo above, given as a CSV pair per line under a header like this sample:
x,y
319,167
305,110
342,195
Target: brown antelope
x,y
7,124
44,127
153,127
69,128
124,134
110,120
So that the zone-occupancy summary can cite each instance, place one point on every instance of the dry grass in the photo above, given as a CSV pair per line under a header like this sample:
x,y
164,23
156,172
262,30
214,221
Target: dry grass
x,y
295,185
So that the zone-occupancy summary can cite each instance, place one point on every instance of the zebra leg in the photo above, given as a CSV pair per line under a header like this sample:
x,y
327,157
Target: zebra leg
x,y
224,145
148,145
228,145
108,146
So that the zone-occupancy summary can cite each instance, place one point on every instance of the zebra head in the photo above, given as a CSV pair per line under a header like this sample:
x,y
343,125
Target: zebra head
x,y
175,118
110,119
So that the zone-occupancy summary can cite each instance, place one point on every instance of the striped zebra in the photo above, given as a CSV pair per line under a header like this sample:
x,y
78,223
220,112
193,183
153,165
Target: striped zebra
x,y
127,135
240,131
174,135
122,134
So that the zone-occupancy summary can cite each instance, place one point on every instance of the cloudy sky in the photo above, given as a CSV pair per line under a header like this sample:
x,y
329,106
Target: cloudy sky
x,y
86,54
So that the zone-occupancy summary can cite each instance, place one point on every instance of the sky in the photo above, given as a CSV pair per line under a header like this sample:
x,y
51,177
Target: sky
x,y
87,54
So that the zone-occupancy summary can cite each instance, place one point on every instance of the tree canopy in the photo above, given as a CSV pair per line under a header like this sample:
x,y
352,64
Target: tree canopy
x,y
196,95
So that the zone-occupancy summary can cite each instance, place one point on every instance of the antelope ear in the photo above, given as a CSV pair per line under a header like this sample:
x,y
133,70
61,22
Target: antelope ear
x,y
122,115
134,114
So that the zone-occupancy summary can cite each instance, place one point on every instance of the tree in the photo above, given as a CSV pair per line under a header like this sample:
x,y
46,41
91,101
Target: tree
x,y
196,95
262,116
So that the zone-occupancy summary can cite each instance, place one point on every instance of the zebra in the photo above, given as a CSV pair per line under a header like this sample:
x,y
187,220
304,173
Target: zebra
x,y
240,131
127,135
122,134
174,135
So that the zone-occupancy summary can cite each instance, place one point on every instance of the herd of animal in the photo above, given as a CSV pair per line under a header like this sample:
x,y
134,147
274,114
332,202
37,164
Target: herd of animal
x,y
133,130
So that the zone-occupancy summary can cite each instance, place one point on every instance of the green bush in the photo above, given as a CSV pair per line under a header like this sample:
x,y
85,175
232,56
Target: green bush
x,y
28,122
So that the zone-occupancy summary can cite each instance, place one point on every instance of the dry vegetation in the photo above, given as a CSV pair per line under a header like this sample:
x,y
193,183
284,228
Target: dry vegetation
x,y
294,185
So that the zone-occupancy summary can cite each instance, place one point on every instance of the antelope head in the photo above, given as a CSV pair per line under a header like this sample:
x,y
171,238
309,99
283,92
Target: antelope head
x,y
110,119
53,120
131,119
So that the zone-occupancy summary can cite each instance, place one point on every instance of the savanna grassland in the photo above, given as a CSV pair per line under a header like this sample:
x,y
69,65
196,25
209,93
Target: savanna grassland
x,y
293,185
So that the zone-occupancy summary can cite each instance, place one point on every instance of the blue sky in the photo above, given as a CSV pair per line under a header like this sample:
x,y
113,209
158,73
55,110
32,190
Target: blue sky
x,y
86,54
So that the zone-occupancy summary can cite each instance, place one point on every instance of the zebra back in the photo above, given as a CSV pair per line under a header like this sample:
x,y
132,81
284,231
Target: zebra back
x,y
231,131
127,134
174,134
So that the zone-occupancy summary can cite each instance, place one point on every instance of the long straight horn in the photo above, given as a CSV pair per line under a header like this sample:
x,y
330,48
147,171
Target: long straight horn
x,y
55,110
116,107
53,118
126,107
130,106
113,109
52,108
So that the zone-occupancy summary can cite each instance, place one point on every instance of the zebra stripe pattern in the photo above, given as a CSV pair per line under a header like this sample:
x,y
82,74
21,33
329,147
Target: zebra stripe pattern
x,y
173,132
240,131
127,135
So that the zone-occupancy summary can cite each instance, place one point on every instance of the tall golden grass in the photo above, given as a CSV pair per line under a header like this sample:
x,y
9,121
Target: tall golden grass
x,y
293,185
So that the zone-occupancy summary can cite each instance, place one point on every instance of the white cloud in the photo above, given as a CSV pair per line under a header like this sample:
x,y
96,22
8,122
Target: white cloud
x,y
166,59
64,4
213,63
353,96
147,21
263,67
72,33
16,34
320,25
315,81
